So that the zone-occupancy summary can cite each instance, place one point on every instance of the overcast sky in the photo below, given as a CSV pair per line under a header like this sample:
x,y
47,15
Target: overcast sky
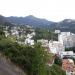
x,y
54,10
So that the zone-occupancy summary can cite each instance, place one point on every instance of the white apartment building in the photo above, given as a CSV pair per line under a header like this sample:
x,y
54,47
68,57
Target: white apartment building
x,y
57,31
66,54
29,41
67,39
56,47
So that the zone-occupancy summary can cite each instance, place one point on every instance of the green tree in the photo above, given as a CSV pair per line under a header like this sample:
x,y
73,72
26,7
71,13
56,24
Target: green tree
x,y
58,61
32,59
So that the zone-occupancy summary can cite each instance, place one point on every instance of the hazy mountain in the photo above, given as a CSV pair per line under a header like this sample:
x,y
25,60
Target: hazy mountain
x,y
66,25
4,21
30,20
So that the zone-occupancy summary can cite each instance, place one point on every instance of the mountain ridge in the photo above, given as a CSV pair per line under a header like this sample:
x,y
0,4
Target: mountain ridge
x,y
64,25
30,20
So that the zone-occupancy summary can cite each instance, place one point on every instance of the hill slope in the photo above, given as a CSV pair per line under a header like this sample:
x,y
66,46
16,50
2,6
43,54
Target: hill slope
x,y
66,25
7,68
4,21
30,20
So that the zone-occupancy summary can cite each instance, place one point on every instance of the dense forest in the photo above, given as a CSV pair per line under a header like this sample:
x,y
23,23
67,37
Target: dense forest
x,y
45,34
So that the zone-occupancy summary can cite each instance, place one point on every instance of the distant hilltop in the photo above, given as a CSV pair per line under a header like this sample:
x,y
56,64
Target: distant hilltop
x,y
65,25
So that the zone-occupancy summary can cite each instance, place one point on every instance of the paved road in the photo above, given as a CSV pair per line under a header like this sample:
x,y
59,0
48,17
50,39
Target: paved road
x,y
8,68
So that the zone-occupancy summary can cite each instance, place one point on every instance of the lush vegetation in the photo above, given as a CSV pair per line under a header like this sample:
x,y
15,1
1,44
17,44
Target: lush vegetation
x,y
32,60
55,70
58,61
45,34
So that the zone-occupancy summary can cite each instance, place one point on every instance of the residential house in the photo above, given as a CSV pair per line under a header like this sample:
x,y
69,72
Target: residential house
x,y
68,66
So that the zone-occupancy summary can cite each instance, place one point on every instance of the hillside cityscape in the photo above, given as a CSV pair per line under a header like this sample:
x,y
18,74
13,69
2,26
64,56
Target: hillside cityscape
x,y
36,46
